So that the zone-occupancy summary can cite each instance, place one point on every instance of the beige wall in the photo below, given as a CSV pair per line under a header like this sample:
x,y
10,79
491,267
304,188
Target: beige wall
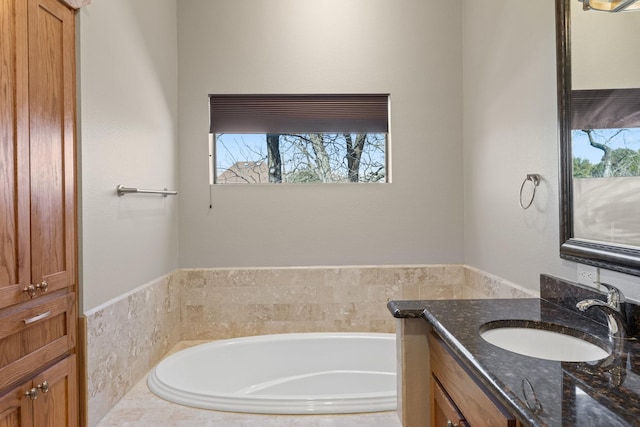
x,y
449,202
510,130
127,135
408,48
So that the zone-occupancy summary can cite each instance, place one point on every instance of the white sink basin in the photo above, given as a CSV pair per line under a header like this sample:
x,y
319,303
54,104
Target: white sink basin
x,y
543,344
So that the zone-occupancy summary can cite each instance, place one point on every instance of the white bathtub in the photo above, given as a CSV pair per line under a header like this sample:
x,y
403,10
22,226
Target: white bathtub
x,y
323,373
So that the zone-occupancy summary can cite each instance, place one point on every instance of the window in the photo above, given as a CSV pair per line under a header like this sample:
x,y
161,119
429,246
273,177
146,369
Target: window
x,y
299,138
605,133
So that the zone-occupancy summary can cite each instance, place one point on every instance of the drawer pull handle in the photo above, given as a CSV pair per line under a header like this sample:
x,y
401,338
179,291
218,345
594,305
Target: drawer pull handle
x,y
32,394
44,387
36,318
451,424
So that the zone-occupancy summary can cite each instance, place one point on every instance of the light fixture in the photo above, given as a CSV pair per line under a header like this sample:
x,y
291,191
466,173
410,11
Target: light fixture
x,y
611,5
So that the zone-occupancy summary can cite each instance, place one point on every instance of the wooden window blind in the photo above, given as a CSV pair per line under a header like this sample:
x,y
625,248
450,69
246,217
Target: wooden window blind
x,y
275,114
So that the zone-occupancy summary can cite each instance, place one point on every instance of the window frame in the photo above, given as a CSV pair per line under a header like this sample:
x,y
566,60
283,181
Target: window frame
x,y
300,114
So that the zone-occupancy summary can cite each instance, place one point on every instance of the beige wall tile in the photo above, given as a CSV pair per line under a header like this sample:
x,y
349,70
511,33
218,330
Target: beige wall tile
x,y
125,338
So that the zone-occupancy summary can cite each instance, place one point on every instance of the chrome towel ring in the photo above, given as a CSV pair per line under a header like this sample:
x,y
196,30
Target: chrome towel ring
x,y
535,179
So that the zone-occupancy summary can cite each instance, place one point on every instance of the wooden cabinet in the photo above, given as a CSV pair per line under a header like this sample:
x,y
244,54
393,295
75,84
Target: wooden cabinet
x,y
456,398
38,306
50,399
37,177
445,413
15,409
14,235
34,333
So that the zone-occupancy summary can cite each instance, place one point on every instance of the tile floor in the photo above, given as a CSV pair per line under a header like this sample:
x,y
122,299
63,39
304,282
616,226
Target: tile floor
x,y
141,408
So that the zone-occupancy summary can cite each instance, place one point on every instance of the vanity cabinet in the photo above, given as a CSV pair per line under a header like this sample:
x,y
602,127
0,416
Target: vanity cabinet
x,y
38,250
445,412
456,398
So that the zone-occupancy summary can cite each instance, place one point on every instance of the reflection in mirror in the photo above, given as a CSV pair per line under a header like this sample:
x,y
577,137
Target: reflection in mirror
x,y
605,116
606,185
604,49
611,5
588,412
599,110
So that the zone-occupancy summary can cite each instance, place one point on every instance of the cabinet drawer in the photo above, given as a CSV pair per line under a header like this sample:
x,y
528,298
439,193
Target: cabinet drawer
x,y
34,333
469,396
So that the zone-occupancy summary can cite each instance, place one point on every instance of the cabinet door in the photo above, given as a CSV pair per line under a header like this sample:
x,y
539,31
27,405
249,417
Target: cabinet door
x,y
475,402
15,270
51,142
37,154
57,402
15,408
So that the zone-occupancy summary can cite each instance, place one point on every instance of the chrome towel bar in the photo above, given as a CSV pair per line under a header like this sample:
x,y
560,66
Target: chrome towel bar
x,y
122,190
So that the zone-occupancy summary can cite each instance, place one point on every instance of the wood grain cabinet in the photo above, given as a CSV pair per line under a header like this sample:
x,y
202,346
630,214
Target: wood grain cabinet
x,y
35,333
37,177
49,399
445,413
456,398
38,306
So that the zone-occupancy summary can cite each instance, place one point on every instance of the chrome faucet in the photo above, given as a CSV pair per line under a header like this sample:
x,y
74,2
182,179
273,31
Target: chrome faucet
x,y
616,318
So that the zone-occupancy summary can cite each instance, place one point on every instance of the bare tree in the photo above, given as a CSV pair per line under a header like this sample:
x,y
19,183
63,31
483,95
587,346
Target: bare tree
x,y
314,157
273,158
354,154
322,158
604,146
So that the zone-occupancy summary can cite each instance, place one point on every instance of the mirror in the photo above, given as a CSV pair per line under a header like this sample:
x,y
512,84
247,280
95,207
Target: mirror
x,y
598,68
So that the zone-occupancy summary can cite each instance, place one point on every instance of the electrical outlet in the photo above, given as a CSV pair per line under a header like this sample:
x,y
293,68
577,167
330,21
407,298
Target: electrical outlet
x,y
588,275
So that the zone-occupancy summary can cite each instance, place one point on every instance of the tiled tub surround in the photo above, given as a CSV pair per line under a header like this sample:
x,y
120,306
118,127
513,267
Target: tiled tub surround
x,y
571,393
129,335
215,303
126,337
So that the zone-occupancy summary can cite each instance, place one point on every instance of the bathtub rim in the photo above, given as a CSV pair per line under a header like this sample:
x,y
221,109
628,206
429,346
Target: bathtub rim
x,y
280,404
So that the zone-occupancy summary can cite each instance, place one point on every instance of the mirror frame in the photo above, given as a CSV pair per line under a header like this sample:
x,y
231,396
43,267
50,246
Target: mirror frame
x,y
624,259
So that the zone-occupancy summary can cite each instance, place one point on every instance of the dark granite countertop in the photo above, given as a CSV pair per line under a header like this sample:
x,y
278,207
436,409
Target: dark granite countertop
x,y
605,393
